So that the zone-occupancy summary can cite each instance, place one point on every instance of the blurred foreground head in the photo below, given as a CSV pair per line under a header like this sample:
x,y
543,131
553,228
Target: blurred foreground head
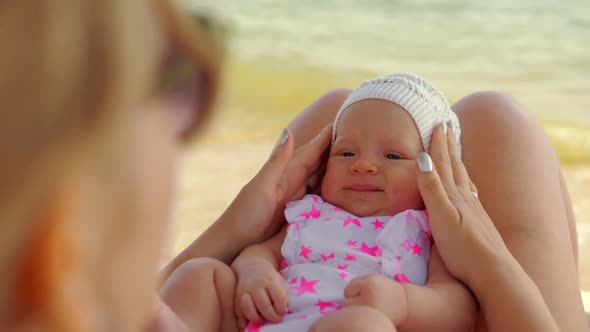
x,y
95,97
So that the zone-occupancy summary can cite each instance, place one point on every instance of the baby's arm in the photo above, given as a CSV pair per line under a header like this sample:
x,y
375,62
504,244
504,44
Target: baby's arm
x,y
261,289
443,304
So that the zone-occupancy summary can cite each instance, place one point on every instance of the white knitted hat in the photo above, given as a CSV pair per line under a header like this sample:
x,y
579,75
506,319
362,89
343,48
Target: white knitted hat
x,y
425,104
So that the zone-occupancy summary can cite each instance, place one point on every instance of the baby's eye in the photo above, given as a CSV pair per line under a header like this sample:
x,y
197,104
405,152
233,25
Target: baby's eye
x,y
347,154
393,156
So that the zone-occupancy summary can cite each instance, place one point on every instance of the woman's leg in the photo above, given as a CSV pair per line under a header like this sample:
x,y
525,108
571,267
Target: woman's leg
x,y
513,164
517,173
201,294
354,318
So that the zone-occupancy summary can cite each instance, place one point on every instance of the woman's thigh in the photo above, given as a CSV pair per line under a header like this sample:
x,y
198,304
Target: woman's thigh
x,y
517,173
355,319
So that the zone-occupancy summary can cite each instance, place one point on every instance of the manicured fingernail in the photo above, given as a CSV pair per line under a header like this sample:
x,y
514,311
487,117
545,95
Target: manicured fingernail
x,y
284,136
444,127
424,162
282,139
451,126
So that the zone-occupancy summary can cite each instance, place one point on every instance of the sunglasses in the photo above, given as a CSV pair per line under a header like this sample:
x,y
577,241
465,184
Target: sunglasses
x,y
191,67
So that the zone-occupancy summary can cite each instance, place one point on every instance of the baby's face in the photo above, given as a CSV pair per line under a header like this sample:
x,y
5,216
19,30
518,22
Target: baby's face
x,y
371,170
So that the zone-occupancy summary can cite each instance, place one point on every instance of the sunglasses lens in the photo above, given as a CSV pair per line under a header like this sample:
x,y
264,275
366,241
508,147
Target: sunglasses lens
x,y
190,70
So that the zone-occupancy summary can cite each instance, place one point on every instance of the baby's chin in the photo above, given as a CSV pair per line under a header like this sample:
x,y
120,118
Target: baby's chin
x,y
362,210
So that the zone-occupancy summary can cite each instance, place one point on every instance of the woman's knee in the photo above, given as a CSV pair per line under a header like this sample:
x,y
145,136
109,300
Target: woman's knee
x,y
309,122
497,114
354,318
193,274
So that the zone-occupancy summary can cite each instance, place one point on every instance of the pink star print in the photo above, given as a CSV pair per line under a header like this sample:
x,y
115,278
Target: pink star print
x,y
305,287
305,251
350,220
350,258
314,213
315,199
417,250
252,327
284,263
336,209
293,281
368,250
377,223
407,244
325,258
323,305
351,243
401,278
343,275
342,267
327,219
409,216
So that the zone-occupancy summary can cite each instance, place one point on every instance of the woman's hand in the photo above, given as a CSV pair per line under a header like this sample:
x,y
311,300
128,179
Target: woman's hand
x,y
379,292
465,236
257,212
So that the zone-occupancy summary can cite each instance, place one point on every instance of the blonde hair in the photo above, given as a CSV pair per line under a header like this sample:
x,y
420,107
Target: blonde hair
x,y
71,73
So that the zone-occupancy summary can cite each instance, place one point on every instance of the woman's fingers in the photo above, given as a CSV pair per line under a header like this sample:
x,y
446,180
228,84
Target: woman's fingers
x,y
439,153
431,188
273,170
309,154
459,172
305,161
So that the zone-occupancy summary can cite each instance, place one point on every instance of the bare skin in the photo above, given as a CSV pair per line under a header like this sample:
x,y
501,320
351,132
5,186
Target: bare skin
x,y
520,185
513,165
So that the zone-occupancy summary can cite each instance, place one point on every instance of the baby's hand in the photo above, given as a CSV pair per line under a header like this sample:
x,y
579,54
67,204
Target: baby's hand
x,y
379,292
261,294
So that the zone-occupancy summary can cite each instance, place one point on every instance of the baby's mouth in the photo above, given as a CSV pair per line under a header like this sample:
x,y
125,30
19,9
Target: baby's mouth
x,y
363,187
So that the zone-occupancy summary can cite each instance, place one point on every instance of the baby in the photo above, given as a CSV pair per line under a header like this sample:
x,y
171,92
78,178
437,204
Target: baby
x,y
369,219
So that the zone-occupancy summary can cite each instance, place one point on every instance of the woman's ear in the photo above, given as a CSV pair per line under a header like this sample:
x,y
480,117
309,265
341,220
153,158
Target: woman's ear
x,y
49,279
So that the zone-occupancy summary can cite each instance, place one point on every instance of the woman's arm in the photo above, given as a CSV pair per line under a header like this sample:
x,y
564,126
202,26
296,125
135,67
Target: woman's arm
x,y
443,304
471,246
256,214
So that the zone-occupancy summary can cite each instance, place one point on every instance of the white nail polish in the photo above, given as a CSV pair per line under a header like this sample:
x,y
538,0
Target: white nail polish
x,y
282,140
444,127
451,126
424,162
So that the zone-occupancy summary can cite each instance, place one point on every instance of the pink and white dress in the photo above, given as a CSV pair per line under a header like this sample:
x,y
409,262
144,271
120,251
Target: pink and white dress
x,y
326,247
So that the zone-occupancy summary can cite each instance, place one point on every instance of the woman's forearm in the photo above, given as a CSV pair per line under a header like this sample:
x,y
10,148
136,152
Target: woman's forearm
x,y
511,301
216,242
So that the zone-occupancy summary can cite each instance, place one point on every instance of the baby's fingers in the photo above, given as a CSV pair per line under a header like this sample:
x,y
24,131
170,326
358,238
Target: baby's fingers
x,y
248,309
265,307
278,295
